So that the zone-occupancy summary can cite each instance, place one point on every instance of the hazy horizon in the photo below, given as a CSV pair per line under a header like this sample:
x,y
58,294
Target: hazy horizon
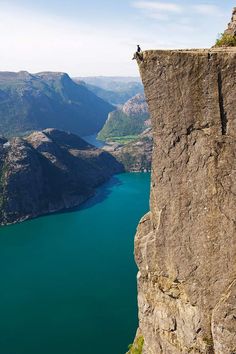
x,y
98,38
78,76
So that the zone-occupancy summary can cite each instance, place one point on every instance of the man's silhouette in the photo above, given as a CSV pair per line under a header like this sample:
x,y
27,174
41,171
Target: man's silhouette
x,y
138,53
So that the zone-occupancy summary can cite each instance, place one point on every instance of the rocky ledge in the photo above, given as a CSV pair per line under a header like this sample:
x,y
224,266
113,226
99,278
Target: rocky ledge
x,y
48,171
185,246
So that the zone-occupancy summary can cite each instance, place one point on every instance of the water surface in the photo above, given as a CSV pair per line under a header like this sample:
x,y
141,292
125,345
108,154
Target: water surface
x,y
92,139
68,280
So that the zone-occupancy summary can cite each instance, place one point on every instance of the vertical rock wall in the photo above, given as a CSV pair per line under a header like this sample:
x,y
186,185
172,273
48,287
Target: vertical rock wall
x,y
185,247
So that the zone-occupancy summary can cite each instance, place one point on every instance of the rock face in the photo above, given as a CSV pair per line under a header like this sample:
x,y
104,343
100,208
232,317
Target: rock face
x,y
137,105
185,246
49,171
135,156
49,99
231,30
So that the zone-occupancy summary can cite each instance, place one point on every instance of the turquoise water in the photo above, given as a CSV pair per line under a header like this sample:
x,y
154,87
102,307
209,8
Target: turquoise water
x,y
92,139
68,281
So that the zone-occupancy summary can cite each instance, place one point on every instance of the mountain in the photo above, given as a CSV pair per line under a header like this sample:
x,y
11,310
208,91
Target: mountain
x,y
34,102
128,135
113,83
131,119
49,171
115,90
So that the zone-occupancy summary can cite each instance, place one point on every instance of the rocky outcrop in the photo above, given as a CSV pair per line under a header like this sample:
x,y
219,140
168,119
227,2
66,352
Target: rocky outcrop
x,y
135,156
49,171
185,247
231,30
136,105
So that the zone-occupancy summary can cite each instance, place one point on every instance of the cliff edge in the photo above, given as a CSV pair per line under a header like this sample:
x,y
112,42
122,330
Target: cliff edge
x,y
185,247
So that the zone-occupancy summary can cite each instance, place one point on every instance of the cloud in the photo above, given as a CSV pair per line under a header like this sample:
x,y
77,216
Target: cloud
x,y
168,10
208,10
35,41
157,10
157,6
179,25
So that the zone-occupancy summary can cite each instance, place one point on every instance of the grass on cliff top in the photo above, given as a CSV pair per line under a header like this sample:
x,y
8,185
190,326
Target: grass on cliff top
x,y
137,346
226,40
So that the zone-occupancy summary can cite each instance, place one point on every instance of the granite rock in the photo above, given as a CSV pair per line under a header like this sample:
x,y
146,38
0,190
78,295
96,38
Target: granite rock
x,y
231,30
185,247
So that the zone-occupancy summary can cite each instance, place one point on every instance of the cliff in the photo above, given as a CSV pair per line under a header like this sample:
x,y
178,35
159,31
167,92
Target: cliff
x,y
49,171
185,247
49,99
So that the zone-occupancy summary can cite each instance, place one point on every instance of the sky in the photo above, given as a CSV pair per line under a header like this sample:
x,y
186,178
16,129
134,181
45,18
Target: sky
x,y
99,37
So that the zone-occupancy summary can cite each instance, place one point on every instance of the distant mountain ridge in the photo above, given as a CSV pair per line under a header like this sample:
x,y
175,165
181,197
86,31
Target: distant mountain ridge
x,y
110,82
115,90
49,99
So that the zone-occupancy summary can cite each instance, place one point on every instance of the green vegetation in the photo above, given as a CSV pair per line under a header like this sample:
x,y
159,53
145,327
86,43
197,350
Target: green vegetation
x,y
123,139
120,124
226,40
137,346
136,154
